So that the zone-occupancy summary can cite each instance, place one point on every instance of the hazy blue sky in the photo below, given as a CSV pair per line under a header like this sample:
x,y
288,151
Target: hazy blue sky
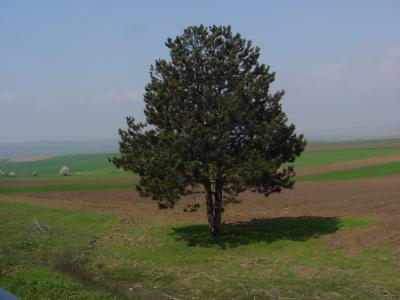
x,y
76,69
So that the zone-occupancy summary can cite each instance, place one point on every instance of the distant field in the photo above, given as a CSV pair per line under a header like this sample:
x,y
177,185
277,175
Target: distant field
x,y
88,165
97,166
56,148
357,173
325,157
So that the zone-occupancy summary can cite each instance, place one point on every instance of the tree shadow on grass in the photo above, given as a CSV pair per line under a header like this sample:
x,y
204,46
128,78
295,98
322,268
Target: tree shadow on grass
x,y
258,230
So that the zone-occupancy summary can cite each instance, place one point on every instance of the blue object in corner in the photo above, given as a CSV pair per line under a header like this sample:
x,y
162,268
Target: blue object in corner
x,y
6,296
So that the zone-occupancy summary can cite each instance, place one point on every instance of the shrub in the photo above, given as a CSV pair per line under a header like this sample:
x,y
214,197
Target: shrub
x,y
64,171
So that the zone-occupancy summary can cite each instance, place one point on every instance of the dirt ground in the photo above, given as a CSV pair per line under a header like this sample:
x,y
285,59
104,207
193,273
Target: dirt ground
x,y
374,198
61,181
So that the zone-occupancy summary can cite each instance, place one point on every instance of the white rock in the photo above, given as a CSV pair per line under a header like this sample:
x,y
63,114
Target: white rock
x,y
2,173
11,174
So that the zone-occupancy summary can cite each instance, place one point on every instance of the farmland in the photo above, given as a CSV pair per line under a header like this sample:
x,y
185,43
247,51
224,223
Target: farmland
x,y
88,166
91,236
315,158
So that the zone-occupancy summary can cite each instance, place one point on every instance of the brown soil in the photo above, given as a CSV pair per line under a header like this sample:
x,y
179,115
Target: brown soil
x,y
375,198
40,182
348,165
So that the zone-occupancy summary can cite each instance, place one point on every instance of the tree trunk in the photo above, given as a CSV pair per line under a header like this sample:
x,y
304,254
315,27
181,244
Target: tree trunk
x,y
214,209
210,211
218,206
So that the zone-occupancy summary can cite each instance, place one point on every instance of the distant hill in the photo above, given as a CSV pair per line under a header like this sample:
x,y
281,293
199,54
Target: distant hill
x,y
55,148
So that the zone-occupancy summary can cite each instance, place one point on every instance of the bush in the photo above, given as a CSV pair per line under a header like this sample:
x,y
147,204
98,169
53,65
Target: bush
x,y
64,171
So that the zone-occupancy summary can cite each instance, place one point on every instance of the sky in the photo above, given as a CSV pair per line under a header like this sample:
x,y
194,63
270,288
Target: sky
x,y
73,70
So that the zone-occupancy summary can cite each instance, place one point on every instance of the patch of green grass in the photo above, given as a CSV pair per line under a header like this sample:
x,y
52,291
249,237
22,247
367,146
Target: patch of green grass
x,y
19,230
89,166
356,173
326,157
274,258
66,187
281,257
347,223
43,283
33,239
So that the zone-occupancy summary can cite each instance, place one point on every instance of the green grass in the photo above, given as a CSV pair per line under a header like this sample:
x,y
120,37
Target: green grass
x,y
326,157
356,173
44,283
66,187
30,255
89,166
276,258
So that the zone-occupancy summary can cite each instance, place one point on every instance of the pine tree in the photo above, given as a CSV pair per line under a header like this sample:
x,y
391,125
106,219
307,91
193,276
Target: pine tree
x,y
211,123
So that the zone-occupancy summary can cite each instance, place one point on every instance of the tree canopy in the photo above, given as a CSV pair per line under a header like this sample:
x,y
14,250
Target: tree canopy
x,y
211,123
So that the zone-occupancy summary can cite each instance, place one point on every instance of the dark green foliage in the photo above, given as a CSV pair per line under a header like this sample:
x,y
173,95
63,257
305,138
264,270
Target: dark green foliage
x,y
211,121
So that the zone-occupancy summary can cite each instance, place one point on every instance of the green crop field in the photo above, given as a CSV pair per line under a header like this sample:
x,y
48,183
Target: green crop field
x,y
98,166
357,173
88,165
326,157
68,253
93,166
